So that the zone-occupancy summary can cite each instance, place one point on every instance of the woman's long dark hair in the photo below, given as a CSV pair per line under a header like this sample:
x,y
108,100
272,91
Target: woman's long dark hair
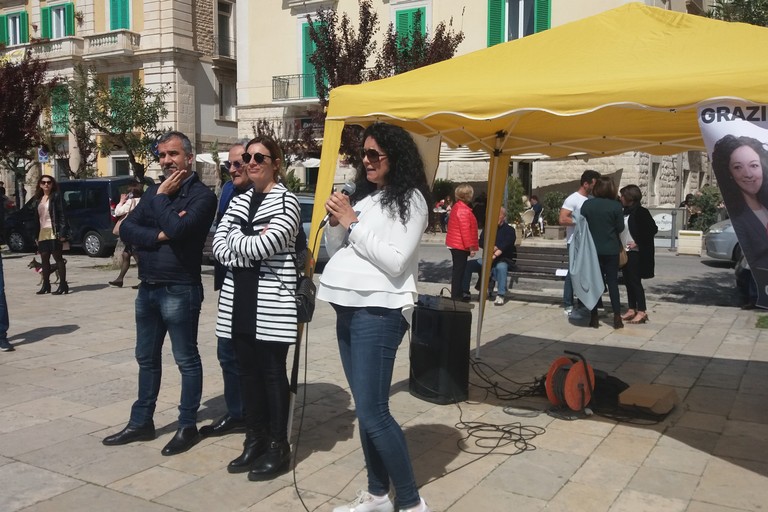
x,y
721,161
39,190
406,169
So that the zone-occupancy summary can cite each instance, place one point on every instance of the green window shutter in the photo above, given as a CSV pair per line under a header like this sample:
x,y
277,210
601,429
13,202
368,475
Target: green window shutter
x,y
405,20
4,29
423,27
24,27
495,22
69,19
308,86
120,90
119,15
45,18
59,110
402,21
542,15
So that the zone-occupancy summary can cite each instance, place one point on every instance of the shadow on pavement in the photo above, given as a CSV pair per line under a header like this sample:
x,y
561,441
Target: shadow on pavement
x,y
328,418
41,333
722,401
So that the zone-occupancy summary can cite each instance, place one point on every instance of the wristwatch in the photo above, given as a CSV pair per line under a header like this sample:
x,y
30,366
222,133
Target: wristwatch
x,y
352,225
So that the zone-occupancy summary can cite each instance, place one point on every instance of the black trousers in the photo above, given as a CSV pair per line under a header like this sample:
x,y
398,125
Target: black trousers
x,y
264,384
459,259
635,290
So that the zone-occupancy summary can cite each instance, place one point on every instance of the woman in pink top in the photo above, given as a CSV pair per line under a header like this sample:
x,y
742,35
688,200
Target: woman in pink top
x,y
461,238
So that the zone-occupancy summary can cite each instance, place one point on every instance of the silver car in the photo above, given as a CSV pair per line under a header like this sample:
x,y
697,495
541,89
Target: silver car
x,y
307,204
721,243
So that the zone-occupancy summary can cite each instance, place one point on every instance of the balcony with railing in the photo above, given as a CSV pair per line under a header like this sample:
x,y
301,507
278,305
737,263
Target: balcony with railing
x,y
110,44
57,49
44,49
294,87
224,48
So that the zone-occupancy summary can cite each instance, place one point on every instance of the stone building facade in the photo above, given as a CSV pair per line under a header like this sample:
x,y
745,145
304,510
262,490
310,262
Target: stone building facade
x,y
187,46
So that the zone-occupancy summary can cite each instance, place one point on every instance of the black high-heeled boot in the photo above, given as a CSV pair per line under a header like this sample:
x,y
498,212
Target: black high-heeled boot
x,y
274,462
254,446
63,288
46,288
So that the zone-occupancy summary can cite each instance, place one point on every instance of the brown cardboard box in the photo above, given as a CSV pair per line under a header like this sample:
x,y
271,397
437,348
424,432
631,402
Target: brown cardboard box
x,y
654,398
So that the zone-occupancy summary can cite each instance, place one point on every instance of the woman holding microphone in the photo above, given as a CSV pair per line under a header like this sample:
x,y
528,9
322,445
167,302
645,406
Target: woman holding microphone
x,y
373,239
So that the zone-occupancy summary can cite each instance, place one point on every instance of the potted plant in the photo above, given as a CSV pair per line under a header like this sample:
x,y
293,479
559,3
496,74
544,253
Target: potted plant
x,y
553,202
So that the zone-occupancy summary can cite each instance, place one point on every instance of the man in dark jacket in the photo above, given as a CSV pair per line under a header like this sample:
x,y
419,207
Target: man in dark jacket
x,y
233,420
504,254
5,345
168,230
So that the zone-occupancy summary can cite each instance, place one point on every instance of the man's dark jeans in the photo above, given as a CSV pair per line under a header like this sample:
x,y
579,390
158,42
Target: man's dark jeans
x,y
173,309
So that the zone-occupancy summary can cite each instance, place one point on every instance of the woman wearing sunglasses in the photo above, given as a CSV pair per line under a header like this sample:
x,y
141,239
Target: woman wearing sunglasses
x,y
255,240
53,231
373,239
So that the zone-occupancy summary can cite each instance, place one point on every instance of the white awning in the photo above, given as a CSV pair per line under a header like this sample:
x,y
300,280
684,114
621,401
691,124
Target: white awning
x,y
207,158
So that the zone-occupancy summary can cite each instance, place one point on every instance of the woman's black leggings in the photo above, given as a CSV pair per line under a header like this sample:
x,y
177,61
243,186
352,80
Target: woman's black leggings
x,y
264,384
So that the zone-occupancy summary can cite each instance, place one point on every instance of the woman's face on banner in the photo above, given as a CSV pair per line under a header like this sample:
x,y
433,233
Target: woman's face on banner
x,y
746,169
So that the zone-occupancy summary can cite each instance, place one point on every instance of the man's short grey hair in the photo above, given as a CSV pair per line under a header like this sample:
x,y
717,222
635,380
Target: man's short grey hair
x,y
186,144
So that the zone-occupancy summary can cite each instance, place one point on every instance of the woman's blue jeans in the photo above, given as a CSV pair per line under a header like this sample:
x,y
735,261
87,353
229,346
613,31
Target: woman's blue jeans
x,y
368,340
175,310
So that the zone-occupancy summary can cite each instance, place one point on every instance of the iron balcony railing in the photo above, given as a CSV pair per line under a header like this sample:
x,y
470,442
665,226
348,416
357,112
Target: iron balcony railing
x,y
294,87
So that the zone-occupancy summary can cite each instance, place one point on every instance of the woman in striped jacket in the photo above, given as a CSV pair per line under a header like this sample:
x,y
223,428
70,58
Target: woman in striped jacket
x,y
255,240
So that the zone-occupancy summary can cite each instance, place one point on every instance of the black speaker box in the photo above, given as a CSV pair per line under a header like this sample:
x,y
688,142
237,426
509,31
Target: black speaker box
x,y
440,355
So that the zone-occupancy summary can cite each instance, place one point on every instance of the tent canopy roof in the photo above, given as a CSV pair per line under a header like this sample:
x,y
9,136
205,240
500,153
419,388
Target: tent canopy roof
x,y
629,79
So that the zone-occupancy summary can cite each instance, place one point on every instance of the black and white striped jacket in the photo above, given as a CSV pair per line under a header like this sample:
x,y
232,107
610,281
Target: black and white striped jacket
x,y
277,221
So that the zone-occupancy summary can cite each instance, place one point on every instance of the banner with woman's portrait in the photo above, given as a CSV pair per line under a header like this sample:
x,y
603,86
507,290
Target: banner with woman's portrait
x,y
736,137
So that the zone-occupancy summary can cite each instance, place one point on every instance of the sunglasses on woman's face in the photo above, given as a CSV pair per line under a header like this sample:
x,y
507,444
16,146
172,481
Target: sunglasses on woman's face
x,y
372,155
46,182
257,157
228,165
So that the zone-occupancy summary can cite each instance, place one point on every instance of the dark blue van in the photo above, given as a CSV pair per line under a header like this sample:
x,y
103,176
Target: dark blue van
x,y
90,208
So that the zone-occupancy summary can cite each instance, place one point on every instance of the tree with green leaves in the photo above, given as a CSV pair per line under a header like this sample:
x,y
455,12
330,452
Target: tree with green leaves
x,y
754,12
24,96
127,115
75,95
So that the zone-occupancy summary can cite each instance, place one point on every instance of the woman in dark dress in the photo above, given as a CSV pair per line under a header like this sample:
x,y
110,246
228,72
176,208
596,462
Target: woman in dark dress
x,y
638,240
604,217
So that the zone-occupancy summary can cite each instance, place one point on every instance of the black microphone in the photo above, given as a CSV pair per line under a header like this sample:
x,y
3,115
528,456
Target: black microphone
x,y
348,189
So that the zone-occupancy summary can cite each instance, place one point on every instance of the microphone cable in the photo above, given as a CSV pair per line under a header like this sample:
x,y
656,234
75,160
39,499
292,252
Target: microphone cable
x,y
311,275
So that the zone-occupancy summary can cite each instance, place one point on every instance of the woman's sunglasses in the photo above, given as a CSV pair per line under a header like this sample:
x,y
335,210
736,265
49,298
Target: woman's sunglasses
x,y
46,182
257,157
372,155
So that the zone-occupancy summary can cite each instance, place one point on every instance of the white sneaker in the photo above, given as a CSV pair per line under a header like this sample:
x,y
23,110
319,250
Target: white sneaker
x,y
499,301
567,311
367,502
422,507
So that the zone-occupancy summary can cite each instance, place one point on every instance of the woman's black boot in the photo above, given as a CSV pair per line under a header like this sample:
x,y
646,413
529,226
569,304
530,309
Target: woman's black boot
x,y
46,288
274,462
63,288
254,446
594,320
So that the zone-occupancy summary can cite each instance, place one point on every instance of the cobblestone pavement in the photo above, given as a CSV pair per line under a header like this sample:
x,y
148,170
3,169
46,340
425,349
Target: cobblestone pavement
x,y
72,379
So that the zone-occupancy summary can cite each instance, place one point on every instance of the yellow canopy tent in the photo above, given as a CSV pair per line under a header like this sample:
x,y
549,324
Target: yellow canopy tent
x,y
628,79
